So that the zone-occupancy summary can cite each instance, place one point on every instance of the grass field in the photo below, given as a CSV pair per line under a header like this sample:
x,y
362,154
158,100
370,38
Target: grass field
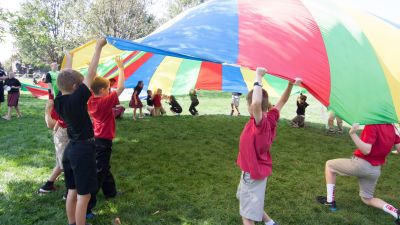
x,y
181,170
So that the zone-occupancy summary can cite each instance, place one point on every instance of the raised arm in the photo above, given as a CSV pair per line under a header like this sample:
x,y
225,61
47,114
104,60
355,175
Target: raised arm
x,y
364,147
68,60
256,100
285,96
121,76
95,62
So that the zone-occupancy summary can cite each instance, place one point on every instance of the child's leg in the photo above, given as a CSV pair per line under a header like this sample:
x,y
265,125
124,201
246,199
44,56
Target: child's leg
x,y
237,109
56,172
70,205
331,120
247,221
140,112
18,112
339,123
8,115
81,207
380,204
134,113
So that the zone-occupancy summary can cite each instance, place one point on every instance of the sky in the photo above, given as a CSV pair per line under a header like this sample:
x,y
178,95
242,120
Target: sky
x,y
158,9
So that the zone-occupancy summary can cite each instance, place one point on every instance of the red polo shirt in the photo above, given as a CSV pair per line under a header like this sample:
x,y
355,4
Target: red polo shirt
x,y
157,100
101,111
382,137
255,142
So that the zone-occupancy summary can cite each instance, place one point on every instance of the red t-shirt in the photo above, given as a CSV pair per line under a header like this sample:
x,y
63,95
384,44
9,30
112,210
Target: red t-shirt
x,y
157,100
55,116
382,137
255,142
101,111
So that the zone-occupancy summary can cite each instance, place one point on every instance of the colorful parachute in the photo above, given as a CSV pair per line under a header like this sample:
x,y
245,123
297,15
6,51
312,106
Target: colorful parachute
x,y
347,55
174,75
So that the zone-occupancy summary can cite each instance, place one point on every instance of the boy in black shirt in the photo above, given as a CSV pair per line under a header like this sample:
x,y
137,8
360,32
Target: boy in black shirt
x,y
3,76
13,85
298,121
79,160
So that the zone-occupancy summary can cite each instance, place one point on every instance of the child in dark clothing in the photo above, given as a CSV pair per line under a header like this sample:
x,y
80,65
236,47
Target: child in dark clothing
x,y
195,102
298,121
79,160
175,107
12,85
150,102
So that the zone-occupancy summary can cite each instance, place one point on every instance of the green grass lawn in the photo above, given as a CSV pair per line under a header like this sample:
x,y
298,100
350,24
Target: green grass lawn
x,y
181,170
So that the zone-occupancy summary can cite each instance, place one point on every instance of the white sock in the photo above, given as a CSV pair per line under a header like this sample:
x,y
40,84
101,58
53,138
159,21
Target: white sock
x,y
390,209
330,192
271,222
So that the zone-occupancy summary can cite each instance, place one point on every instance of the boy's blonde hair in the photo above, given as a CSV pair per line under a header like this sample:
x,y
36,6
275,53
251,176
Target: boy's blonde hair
x,y
99,83
265,105
67,79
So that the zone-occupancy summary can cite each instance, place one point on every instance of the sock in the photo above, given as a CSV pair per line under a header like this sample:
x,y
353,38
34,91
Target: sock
x,y
390,209
271,222
330,192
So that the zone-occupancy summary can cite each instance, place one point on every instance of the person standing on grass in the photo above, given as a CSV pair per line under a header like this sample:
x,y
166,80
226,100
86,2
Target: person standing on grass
x,y
60,138
13,86
3,76
331,126
79,159
135,102
51,79
373,147
194,102
298,121
101,110
235,103
254,158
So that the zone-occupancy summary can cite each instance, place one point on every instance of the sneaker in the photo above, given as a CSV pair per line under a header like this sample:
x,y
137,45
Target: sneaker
x,y
332,205
47,187
64,196
90,216
397,221
331,131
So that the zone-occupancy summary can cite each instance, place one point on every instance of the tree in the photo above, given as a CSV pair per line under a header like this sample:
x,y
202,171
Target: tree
x,y
178,6
3,18
44,29
126,19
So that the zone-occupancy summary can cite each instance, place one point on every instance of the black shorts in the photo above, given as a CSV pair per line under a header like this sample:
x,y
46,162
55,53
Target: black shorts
x,y
79,164
1,93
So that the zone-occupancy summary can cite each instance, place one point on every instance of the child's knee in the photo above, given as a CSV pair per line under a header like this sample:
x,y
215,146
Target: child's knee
x,y
366,201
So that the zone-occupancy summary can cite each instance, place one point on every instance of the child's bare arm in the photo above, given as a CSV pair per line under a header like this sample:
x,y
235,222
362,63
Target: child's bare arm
x,y
365,148
68,60
121,77
285,96
47,115
256,101
95,62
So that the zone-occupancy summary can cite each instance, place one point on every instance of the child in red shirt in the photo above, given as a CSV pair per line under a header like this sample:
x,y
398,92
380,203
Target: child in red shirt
x,y
373,147
158,108
101,111
60,138
254,157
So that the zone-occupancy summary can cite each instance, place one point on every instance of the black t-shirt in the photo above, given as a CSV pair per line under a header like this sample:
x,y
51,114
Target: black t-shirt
x,y
13,82
2,74
301,108
48,78
138,89
149,100
72,109
174,103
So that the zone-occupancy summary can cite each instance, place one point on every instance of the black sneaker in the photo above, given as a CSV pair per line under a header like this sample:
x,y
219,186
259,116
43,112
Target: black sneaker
x,y
332,205
397,221
47,187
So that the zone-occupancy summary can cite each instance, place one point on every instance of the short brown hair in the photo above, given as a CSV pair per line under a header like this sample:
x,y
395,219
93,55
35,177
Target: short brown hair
x,y
265,105
99,83
67,79
303,97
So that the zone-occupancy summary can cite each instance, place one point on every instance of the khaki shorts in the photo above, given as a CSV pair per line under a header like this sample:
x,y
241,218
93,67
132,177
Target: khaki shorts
x,y
61,140
366,173
251,195
235,101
